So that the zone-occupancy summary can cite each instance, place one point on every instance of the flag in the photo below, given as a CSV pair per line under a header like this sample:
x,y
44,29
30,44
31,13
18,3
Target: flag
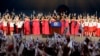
x,y
55,35
70,44
34,12
36,51
20,49
55,12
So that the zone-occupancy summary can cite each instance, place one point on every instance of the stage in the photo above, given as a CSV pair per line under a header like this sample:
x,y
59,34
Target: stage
x,y
43,38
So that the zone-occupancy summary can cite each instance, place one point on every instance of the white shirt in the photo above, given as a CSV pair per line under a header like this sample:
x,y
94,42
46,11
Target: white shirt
x,y
98,25
11,24
20,24
91,24
85,23
4,23
70,44
94,23
82,24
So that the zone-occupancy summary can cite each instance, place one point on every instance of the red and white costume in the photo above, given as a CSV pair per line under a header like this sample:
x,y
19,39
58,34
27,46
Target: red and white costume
x,y
4,26
94,26
98,30
19,25
85,26
90,27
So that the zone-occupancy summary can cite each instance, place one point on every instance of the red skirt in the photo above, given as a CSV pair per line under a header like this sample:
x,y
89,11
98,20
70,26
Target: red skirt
x,y
90,29
4,28
98,32
86,28
11,29
94,28
26,31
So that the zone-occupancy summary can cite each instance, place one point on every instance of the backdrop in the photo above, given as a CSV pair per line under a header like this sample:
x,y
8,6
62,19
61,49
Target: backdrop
x,y
78,6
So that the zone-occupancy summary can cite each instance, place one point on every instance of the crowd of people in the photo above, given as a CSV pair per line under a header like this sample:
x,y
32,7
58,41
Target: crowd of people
x,y
57,45
87,25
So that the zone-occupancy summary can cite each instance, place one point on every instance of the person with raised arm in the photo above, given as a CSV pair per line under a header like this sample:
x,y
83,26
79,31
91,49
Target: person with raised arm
x,y
52,19
62,24
77,27
4,25
11,23
36,26
73,25
18,24
16,20
98,28
45,25
90,25
94,26
86,27
67,26
81,30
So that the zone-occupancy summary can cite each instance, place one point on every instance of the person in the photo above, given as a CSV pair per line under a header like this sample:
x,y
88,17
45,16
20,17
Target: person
x,y
10,48
94,26
51,28
27,26
67,27
16,20
45,26
73,26
86,27
36,26
18,25
21,48
81,27
0,24
98,29
90,24
11,23
77,27
4,26
62,24
60,52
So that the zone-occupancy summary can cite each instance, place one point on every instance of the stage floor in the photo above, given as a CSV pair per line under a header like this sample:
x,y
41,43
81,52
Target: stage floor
x,y
76,38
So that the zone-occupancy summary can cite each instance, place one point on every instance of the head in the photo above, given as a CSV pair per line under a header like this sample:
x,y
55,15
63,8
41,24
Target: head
x,y
42,17
17,18
90,20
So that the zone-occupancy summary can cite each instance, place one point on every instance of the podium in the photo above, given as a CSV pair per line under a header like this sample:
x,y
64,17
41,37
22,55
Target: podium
x,y
55,27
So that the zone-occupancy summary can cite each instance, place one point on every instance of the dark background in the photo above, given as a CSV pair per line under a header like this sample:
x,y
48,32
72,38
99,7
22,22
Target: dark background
x,y
75,6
